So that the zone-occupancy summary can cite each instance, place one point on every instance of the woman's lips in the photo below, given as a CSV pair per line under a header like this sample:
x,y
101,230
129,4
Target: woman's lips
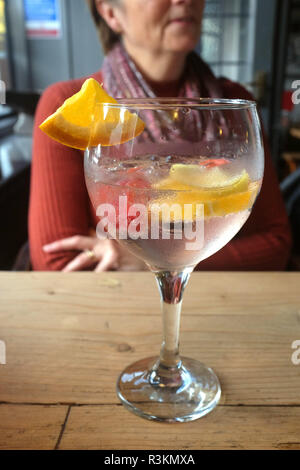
x,y
186,19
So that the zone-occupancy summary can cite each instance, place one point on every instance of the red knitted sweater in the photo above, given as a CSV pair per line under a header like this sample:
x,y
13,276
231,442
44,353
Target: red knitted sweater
x,y
60,206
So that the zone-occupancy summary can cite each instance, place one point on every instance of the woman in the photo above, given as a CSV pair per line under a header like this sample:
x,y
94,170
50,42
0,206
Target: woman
x,y
148,46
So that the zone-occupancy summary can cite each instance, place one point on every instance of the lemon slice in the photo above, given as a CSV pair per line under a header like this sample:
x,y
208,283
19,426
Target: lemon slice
x,y
211,183
213,188
214,179
82,122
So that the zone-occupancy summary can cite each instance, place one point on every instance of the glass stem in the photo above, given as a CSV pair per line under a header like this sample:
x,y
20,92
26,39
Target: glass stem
x,y
171,286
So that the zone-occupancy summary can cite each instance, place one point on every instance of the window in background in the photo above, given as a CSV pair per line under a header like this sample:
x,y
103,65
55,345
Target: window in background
x,y
228,38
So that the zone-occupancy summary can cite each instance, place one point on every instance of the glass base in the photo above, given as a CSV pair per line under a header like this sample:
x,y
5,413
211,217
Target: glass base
x,y
183,393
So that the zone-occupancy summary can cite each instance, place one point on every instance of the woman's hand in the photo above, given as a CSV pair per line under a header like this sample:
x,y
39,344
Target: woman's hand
x,y
102,255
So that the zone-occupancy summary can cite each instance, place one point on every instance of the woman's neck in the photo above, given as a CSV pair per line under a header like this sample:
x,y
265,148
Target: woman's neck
x,y
157,66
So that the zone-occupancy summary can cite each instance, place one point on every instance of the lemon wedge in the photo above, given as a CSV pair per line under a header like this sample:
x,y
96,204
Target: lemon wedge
x,y
83,120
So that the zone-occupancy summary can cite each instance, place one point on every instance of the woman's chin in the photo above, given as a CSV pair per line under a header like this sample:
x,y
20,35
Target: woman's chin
x,y
183,45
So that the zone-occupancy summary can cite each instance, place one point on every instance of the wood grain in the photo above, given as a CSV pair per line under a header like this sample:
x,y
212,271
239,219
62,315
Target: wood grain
x,y
112,427
68,336
24,427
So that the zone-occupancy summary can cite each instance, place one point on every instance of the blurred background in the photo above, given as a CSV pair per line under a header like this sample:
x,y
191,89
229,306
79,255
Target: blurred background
x,y
254,42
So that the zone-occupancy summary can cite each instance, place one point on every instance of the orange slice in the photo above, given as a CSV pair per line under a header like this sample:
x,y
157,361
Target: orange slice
x,y
85,120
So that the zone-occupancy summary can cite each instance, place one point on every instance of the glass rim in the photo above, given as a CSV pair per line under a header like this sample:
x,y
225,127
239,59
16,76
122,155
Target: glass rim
x,y
157,103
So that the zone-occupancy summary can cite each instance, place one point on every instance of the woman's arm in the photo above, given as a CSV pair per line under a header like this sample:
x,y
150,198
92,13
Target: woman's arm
x,y
59,204
264,242
60,213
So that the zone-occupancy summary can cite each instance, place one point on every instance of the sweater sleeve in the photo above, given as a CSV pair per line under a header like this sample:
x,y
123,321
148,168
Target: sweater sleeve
x,y
264,242
59,205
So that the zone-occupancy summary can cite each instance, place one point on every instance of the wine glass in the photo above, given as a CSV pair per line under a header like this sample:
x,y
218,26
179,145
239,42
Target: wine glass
x,y
174,192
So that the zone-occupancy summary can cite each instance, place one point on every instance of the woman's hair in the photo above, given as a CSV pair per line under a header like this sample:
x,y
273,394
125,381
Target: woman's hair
x,y
107,36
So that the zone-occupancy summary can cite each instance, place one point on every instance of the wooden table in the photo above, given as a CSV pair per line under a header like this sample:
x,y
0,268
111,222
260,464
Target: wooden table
x,y
68,336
